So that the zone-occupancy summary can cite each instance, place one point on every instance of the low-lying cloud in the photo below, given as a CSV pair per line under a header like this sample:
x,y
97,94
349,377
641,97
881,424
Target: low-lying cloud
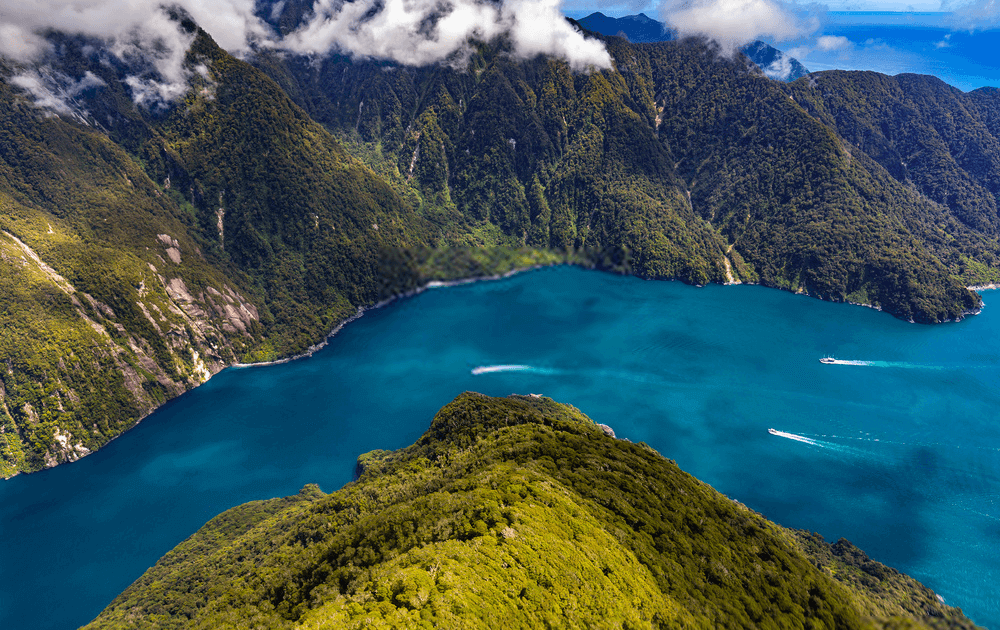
x,y
140,33
417,32
734,23
56,91
412,32
830,43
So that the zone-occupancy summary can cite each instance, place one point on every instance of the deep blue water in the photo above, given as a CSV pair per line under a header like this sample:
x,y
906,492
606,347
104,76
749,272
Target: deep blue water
x,y
902,456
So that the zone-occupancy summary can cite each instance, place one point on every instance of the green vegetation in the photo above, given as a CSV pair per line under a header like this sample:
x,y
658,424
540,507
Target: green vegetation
x,y
144,252
678,164
516,512
146,248
93,338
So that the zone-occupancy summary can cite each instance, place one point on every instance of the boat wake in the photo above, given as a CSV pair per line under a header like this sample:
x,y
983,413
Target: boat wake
x,y
831,447
492,369
639,377
831,361
874,441
881,364
797,438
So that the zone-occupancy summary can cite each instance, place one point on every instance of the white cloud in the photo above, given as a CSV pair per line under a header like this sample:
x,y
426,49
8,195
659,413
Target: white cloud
x,y
20,44
733,23
974,15
407,31
139,32
829,43
417,32
55,91
779,69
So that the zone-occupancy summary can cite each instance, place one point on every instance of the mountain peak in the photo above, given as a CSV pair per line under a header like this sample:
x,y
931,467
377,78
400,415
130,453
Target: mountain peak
x,y
642,29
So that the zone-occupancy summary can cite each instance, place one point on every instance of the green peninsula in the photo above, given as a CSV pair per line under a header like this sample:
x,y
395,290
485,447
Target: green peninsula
x,y
516,512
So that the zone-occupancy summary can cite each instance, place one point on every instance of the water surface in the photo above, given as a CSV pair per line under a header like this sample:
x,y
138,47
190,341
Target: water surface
x,y
898,449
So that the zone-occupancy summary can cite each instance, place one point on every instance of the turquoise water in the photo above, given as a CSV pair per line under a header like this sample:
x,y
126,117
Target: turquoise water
x,y
900,455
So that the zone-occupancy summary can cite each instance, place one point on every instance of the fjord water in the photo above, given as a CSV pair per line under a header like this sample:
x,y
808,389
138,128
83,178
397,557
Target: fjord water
x,y
900,454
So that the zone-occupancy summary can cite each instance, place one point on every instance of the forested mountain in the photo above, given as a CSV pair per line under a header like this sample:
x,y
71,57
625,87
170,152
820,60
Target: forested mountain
x,y
638,29
143,249
146,246
517,512
925,133
680,163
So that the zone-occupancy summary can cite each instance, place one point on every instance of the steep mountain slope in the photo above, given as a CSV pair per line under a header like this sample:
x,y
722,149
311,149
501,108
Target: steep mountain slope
x,y
638,29
678,164
924,132
108,306
773,62
516,512
142,250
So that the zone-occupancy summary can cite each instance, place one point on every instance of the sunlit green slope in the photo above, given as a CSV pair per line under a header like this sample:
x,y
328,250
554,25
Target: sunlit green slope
x,y
516,512
142,250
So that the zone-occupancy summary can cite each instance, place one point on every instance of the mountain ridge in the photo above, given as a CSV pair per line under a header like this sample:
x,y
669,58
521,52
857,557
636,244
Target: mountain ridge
x,y
516,511
175,263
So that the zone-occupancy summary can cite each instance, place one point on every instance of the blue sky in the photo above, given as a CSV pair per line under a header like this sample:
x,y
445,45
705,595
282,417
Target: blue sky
x,y
892,43
960,45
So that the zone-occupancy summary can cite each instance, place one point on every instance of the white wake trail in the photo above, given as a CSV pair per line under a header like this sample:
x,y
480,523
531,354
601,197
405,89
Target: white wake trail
x,y
881,441
846,362
881,364
797,438
492,369
831,447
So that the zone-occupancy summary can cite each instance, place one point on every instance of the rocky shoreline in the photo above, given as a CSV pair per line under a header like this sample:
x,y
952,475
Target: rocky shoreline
x,y
433,284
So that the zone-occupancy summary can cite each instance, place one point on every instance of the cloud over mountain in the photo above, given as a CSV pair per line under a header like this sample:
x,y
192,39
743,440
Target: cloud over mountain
x,y
412,32
417,32
733,23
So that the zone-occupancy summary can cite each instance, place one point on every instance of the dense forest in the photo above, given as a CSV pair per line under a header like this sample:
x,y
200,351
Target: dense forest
x,y
144,248
680,163
517,512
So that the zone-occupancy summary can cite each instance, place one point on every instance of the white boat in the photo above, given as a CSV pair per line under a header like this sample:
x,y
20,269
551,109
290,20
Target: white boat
x,y
827,360
772,432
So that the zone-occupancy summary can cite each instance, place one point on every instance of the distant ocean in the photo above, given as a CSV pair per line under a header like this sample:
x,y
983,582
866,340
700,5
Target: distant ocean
x,y
889,42
894,43
896,447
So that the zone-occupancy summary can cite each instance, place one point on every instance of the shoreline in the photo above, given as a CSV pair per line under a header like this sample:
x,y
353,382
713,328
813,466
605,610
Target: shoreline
x,y
992,286
433,284
437,284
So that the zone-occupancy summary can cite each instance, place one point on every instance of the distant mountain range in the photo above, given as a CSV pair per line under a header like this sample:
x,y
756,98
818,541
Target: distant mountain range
x,y
642,29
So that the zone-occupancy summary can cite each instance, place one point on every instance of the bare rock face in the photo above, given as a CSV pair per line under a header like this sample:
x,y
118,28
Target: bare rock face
x,y
172,246
191,335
